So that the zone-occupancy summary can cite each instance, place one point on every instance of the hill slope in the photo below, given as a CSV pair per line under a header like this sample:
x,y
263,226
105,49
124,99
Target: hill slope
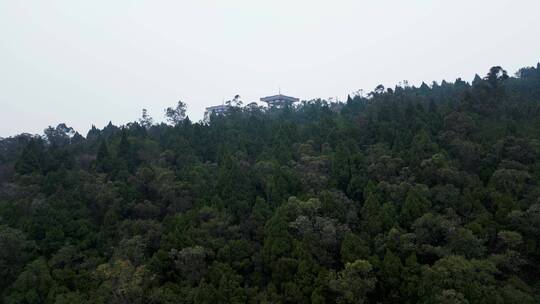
x,y
410,195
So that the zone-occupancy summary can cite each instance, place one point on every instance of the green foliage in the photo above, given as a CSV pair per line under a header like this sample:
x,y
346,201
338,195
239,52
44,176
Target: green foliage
x,y
32,158
416,204
34,285
353,248
353,283
15,252
408,195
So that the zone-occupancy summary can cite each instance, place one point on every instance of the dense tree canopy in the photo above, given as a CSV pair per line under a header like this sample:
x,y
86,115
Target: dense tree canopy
x,y
405,195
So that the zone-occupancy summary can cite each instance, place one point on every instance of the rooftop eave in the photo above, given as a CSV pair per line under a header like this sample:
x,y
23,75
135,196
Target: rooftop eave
x,y
280,98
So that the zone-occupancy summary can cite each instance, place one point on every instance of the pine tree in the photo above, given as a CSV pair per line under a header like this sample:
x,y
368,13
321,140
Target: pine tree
x,y
391,276
415,206
103,161
371,213
32,158
125,152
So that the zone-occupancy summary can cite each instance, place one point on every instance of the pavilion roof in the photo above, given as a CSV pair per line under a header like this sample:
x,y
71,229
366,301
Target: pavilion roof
x,y
279,97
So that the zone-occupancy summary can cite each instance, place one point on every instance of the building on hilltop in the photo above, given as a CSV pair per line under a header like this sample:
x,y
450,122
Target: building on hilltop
x,y
279,100
217,110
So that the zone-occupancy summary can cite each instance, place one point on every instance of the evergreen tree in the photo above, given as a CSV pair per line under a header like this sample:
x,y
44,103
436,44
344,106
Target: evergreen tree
x,y
416,204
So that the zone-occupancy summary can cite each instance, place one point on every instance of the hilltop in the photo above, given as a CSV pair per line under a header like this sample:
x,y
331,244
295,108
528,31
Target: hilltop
x,y
423,194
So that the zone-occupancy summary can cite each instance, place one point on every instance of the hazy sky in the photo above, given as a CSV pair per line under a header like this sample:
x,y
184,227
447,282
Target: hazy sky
x,y
88,62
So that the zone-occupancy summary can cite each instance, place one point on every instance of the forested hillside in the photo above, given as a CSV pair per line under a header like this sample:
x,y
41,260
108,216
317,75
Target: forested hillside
x,y
423,194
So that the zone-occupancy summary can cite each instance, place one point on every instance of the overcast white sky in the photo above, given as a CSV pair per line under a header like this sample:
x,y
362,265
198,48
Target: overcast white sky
x,y
88,62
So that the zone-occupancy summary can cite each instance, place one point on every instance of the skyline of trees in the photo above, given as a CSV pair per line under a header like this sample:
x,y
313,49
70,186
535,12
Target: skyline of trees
x,y
424,194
